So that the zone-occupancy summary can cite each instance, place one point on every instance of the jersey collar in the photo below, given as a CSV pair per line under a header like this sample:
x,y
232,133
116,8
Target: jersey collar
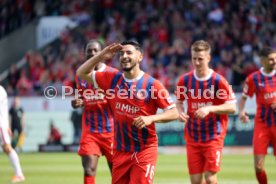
x,y
204,78
267,74
135,79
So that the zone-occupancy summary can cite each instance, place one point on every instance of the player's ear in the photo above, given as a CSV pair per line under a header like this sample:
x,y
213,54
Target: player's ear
x,y
141,55
209,58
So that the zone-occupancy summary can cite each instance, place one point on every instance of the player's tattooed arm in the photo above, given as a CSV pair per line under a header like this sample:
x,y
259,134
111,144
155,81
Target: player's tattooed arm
x,y
85,70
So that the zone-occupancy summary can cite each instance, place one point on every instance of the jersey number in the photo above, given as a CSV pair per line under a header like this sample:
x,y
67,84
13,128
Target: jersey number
x,y
218,158
150,171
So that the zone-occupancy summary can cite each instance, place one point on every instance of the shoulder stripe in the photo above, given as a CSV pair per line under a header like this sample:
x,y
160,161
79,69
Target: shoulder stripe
x,y
255,79
116,79
150,82
186,80
217,79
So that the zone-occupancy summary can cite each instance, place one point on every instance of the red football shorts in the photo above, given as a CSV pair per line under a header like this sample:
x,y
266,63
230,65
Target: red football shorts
x,y
262,137
204,157
134,168
97,144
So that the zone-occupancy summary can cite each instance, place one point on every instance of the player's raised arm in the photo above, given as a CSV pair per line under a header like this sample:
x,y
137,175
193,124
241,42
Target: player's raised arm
x,y
84,71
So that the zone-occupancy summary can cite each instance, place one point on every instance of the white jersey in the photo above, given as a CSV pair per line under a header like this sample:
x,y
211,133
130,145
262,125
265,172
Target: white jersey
x,y
4,112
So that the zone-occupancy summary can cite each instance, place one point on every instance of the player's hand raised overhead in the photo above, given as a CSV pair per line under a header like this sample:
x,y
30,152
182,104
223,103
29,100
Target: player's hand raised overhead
x,y
109,51
244,118
142,121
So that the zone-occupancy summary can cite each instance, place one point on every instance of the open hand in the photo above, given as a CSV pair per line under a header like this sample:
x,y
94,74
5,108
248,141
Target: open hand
x,y
109,51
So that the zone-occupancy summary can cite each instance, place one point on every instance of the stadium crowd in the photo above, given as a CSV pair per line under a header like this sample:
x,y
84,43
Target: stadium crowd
x,y
16,14
236,30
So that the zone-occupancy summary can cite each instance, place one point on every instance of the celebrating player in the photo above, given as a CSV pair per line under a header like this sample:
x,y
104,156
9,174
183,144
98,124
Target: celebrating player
x,y
209,99
5,139
97,121
263,84
134,97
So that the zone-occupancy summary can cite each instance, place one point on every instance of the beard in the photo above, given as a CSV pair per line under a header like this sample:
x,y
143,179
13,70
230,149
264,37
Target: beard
x,y
127,69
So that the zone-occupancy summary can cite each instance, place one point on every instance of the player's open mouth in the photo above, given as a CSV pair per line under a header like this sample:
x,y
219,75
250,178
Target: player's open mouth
x,y
125,61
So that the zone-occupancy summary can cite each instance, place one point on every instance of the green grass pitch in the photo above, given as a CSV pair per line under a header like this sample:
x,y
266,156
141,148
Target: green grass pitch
x,y
60,168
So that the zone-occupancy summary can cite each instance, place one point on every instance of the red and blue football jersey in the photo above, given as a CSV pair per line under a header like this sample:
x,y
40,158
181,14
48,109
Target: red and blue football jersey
x,y
130,99
97,116
264,86
212,90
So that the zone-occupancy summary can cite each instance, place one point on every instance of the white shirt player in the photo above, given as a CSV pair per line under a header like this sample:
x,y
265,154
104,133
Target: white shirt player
x,y
5,139
4,113
4,116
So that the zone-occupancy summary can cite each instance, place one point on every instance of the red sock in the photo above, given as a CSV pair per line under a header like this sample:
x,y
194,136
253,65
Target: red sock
x,y
89,180
261,177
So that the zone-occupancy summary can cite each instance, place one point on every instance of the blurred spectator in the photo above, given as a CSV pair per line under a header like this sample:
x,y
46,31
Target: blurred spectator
x,y
16,114
237,30
76,119
54,137
13,78
24,85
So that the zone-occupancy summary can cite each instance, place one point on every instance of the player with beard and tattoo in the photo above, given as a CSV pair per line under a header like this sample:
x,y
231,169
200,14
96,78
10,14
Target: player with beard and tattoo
x,y
134,97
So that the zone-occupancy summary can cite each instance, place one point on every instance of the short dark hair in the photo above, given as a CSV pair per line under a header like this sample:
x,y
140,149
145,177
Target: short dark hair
x,y
134,43
94,41
266,51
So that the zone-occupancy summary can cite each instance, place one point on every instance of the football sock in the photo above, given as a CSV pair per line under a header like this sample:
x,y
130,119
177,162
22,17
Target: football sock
x,y
89,180
261,177
15,163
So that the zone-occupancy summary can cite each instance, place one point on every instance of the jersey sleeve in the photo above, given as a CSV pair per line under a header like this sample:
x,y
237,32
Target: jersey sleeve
x,y
77,82
248,88
226,93
78,86
162,96
180,91
103,80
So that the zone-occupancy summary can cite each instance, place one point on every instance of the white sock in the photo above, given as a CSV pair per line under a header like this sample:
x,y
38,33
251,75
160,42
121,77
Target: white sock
x,y
15,163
